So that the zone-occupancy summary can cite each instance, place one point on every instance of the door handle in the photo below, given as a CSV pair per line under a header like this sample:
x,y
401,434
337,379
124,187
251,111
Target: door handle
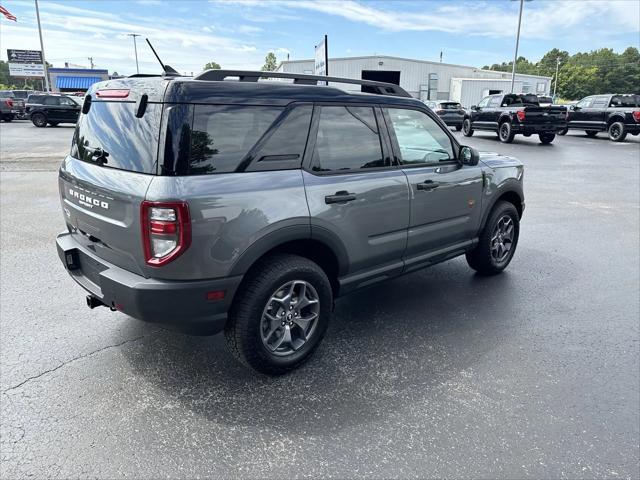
x,y
340,197
427,185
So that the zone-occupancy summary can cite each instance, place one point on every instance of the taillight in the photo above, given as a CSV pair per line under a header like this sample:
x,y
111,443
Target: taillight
x,y
439,112
521,115
9,102
636,115
166,231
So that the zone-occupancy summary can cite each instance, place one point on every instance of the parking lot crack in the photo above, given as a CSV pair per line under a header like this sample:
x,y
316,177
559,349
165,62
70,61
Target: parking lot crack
x,y
74,359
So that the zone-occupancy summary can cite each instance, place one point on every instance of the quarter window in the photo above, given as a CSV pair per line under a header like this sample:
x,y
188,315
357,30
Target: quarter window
x,y
420,138
600,102
222,135
495,102
347,139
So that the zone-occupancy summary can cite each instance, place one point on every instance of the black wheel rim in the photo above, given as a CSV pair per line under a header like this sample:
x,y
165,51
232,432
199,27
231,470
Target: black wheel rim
x,y
466,126
40,121
615,131
504,131
502,239
290,318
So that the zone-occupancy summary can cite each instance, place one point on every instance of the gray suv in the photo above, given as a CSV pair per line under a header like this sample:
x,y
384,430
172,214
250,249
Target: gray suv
x,y
237,203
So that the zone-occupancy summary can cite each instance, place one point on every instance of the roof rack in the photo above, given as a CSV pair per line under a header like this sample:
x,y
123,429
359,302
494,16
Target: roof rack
x,y
379,88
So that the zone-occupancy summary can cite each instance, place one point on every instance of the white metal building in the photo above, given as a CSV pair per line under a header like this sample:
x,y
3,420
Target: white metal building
x,y
426,80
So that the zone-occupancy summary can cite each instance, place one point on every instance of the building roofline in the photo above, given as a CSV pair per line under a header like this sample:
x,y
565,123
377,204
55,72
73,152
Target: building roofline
x,y
430,62
76,70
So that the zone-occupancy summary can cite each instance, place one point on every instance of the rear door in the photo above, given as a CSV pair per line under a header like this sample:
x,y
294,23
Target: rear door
x,y
354,193
53,109
69,110
104,179
596,113
445,196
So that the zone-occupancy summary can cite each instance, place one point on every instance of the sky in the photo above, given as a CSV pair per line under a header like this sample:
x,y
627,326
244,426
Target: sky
x,y
239,33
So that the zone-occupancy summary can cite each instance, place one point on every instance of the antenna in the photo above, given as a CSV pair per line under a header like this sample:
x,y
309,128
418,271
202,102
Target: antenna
x,y
166,68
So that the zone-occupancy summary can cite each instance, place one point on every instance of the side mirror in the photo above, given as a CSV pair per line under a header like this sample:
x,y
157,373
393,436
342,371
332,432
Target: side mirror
x,y
468,156
474,107
575,107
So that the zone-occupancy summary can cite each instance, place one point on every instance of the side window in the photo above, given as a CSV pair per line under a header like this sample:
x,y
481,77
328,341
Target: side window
x,y
421,140
222,135
67,102
600,102
495,102
348,139
51,101
484,102
585,102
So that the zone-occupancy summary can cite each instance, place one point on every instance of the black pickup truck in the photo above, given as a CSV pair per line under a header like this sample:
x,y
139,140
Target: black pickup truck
x,y
618,115
512,114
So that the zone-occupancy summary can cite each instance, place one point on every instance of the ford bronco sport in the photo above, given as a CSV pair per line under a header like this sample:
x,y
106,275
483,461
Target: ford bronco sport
x,y
234,202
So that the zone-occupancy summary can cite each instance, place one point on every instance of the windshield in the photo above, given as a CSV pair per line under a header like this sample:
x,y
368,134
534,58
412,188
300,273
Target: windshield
x,y
112,136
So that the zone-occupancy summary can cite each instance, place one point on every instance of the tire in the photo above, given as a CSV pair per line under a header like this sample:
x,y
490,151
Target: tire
x,y
483,259
546,138
458,128
39,120
617,132
564,131
53,124
591,133
7,118
526,134
505,132
467,131
257,298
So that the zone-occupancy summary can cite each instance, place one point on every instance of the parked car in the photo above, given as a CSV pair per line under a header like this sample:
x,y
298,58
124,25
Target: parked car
x,y
10,106
51,110
512,114
618,115
451,113
249,206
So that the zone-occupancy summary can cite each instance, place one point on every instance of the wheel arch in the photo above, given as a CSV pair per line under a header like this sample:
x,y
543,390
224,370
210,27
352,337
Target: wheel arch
x,y
614,118
510,192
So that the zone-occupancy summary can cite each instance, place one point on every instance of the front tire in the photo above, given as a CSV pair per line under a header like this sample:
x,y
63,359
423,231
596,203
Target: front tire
x,y
617,132
546,138
498,240
53,124
591,133
467,131
506,133
7,118
39,120
280,314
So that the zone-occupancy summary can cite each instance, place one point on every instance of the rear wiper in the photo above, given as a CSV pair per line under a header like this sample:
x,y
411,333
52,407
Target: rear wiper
x,y
98,155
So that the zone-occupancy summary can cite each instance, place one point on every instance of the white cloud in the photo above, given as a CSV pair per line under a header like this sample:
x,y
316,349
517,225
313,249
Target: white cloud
x,y
249,29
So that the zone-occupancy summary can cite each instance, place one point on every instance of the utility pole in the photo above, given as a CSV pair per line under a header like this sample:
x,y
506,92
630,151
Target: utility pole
x,y
555,85
44,61
135,49
515,58
90,61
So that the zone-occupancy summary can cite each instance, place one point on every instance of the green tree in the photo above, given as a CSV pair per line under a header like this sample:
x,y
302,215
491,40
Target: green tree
x,y
212,66
270,63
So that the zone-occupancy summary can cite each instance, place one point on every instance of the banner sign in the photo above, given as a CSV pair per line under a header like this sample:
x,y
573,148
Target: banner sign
x,y
321,58
25,63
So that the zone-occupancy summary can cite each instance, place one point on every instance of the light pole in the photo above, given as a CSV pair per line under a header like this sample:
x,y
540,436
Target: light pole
x,y
555,85
135,49
515,57
44,61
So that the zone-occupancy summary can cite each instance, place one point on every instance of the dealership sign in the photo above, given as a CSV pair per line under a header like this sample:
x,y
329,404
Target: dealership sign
x,y
25,63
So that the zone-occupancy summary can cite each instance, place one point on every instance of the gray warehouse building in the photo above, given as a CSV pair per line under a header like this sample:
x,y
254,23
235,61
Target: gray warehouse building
x,y
426,80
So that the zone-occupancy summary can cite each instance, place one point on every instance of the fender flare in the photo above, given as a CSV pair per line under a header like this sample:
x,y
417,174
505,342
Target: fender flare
x,y
509,186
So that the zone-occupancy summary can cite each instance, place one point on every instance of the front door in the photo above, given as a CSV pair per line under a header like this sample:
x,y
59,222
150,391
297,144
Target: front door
x,y
478,116
445,195
355,195
579,114
69,110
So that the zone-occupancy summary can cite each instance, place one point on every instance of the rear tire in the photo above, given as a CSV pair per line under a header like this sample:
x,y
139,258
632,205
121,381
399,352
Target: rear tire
x,y
39,120
546,138
617,132
467,131
261,315
7,118
490,257
505,132
564,131
591,133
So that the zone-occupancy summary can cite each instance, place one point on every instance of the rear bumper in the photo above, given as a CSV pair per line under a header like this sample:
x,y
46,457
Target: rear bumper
x,y
453,121
179,304
538,128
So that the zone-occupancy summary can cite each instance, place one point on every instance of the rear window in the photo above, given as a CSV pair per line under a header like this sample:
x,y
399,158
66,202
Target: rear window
x,y
38,99
451,106
625,101
112,132
222,135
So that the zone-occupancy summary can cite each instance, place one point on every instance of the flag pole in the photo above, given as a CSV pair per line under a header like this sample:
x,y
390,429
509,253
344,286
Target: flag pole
x,y
44,62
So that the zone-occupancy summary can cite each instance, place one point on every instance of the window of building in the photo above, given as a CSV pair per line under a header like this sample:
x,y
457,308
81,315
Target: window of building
x,y
541,87
420,138
347,139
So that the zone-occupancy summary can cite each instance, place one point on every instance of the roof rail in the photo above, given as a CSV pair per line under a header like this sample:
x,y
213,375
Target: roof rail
x,y
379,88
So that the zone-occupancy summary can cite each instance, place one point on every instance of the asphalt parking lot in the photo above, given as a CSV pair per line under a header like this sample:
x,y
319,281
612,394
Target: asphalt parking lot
x,y
441,373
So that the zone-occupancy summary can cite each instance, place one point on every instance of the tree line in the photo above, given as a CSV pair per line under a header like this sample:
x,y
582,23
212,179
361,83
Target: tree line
x,y
582,74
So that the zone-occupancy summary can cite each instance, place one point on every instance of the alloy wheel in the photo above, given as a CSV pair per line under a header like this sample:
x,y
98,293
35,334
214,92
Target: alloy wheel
x,y
502,239
290,317
615,131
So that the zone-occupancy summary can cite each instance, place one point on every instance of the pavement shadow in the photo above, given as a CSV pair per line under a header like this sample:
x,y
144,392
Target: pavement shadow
x,y
387,346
